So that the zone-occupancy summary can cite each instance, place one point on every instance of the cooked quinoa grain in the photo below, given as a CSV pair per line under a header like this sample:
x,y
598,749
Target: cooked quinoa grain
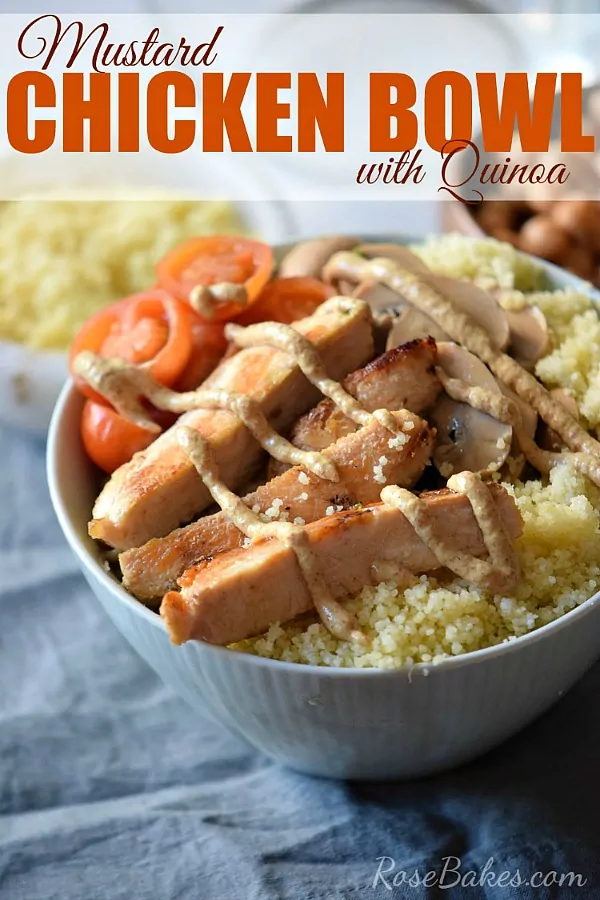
x,y
63,260
559,555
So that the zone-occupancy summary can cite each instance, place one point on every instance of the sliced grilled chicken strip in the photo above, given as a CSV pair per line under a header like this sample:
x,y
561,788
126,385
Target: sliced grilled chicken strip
x,y
241,593
153,569
159,489
403,378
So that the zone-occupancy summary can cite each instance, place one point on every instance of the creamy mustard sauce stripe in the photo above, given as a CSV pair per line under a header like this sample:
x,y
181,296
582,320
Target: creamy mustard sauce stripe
x,y
286,338
505,410
123,384
338,621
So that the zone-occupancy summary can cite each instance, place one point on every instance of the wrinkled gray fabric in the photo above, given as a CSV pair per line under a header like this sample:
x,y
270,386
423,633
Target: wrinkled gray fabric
x,y
112,789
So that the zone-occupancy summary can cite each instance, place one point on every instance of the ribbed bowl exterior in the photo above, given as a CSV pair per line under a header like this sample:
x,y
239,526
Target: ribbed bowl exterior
x,y
359,724
368,724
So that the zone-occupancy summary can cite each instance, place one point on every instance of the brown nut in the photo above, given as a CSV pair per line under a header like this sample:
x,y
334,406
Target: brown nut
x,y
540,206
580,262
579,218
542,237
506,236
494,215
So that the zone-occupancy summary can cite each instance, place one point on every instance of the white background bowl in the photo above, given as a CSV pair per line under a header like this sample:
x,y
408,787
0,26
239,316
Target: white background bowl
x,y
341,723
30,380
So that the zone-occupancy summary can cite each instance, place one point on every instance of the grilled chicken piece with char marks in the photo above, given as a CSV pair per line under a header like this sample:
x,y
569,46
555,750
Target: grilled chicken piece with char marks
x,y
159,489
153,569
402,378
241,593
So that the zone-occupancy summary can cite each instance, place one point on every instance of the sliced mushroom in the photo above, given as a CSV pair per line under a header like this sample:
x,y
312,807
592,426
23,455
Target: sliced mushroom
x,y
472,300
465,296
412,324
547,438
379,296
345,288
393,315
399,254
386,305
395,252
309,257
529,335
467,439
516,462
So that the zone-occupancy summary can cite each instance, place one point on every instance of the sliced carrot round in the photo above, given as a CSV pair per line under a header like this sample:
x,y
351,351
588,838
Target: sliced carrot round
x,y
218,259
151,328
286,300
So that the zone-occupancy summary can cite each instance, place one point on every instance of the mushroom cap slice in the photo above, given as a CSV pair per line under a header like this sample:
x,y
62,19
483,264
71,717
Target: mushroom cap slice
x,y
464,296
467,439
398,254
529,335
412,324
380,297
386,305
394,252
309,257
345,288
476,303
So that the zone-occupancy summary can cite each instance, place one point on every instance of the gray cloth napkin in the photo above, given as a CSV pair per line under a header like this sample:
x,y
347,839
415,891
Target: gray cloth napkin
x,y
112,789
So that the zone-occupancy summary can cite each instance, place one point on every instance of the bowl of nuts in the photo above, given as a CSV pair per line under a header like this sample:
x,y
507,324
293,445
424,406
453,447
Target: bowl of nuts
x,y
559,223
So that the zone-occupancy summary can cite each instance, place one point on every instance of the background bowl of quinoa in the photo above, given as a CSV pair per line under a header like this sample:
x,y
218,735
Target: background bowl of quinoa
x,y
450,673
85,233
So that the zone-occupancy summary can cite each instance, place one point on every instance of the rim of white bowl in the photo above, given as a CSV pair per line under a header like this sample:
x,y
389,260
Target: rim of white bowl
x,y
120,595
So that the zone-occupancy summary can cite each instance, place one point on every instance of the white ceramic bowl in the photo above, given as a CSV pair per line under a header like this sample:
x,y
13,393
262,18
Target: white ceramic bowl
x,y
340,723
30,380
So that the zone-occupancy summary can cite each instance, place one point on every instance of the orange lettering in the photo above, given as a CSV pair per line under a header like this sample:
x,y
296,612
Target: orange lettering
x,y
129,112
269,111
460,108
76,110
383,109
184,130
314,110
532,119
572,139
17,112
224,110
